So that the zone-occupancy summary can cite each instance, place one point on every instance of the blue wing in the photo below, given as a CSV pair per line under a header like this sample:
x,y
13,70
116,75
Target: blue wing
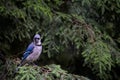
x,y
28,51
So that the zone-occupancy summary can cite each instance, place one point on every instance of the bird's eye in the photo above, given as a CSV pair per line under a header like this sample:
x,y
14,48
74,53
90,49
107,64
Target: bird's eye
x,y
37,38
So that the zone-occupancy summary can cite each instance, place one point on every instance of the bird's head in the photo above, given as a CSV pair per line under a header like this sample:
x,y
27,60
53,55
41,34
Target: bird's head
x,y
37,39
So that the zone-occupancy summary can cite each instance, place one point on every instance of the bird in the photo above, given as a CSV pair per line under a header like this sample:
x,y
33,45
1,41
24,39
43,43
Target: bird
x,y
33,51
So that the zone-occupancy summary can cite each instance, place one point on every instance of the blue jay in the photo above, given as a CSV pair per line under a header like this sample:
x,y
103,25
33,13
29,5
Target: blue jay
x,y
33,51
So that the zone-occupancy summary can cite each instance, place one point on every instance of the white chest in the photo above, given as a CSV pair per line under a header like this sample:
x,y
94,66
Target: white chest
x,y
35,54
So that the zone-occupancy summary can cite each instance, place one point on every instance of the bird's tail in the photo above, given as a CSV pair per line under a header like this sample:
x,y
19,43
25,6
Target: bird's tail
x,y
21,63
16,70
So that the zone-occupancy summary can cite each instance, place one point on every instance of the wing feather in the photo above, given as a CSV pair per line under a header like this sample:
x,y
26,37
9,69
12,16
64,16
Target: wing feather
x,y
28,51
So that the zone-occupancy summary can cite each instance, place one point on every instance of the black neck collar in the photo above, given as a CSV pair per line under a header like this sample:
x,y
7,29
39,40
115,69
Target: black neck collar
x,y
39,45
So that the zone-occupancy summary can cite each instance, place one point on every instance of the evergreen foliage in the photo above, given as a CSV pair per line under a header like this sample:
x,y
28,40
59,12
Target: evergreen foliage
x,y
74,27
48,72
34,72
